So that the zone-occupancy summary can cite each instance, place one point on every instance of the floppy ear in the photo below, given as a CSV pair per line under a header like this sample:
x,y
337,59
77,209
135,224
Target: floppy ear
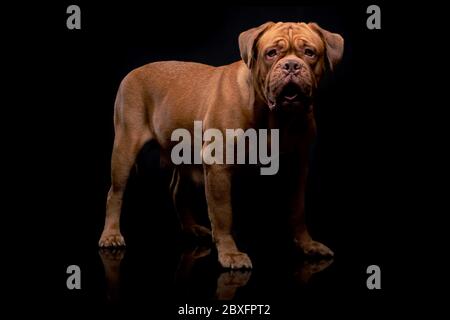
x,y
247,41
334,44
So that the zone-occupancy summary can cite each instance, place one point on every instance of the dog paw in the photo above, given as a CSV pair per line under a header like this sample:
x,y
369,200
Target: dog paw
x,y
314,248
235,260
111,239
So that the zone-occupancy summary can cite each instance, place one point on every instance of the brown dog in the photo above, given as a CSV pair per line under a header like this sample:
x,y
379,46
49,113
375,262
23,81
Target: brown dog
x,y
272,87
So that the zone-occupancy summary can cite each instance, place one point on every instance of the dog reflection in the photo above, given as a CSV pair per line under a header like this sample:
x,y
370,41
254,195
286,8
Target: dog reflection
x,y
187,262
111,259
227,284
307,268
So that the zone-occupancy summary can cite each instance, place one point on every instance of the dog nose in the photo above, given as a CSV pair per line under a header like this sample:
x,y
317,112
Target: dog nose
x,y
291,66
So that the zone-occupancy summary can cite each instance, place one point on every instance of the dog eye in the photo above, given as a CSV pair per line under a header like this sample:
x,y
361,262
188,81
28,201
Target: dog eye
x,y
309,52
271,53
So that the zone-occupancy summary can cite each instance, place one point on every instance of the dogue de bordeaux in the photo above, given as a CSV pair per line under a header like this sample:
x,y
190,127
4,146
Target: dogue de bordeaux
x,y
271,87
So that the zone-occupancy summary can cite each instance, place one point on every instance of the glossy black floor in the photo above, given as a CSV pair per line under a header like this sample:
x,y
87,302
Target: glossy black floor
x,y
162,269
352,186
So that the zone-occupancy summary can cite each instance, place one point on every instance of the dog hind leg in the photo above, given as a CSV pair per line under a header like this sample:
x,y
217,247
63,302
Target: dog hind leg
x,y
132,132
183,197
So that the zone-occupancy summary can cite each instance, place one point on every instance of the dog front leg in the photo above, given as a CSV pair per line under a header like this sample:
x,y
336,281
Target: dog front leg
x,y
218,197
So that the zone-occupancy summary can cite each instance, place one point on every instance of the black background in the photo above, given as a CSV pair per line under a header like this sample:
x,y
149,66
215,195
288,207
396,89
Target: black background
x,y
354,203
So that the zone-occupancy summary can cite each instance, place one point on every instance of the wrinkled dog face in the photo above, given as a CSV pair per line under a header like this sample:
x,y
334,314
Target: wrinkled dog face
x,y
291,62
287,60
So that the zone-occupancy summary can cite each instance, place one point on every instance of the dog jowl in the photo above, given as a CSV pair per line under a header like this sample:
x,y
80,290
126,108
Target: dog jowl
x,y
272,87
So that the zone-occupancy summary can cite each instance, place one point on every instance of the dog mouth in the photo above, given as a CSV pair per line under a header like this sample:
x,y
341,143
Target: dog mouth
x,y
290,92
293,94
